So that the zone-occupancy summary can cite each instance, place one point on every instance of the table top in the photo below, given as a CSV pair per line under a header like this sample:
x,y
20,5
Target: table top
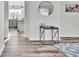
x,y
49,27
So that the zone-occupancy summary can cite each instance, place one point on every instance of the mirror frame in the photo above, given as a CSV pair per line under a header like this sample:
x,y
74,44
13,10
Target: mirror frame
x,y
52,6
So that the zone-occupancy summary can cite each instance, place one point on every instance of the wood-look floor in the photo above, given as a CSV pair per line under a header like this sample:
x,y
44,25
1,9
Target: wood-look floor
x,y
18,46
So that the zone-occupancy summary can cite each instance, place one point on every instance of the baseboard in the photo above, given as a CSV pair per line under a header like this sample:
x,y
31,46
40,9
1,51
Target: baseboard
x,y
6,40
2,49
9,36
69,38
41,39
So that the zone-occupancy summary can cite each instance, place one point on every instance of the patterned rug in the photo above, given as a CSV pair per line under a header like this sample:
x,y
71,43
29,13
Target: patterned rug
x,y
69,49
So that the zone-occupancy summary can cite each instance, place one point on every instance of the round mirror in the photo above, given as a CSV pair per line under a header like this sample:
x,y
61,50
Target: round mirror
x,y
45,8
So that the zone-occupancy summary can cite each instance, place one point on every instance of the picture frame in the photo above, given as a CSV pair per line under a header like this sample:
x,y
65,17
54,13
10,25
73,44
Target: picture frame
x,y
72,8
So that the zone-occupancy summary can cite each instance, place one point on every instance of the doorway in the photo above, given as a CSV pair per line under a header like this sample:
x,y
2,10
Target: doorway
x,y
15,21
16,15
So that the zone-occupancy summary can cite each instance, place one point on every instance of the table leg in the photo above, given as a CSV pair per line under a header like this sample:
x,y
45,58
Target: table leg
x,y
40,34
58,35
52,34
43,36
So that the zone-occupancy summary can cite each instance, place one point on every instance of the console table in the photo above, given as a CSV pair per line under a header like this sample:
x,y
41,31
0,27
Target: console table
x,y
52,28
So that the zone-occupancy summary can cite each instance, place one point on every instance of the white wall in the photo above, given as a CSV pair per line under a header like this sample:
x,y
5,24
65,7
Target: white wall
x,y
35,19
26,19
6,21
66,21
1,26
69,23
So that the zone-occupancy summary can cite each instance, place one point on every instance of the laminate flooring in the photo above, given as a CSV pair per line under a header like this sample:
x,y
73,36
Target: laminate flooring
x,y
20,46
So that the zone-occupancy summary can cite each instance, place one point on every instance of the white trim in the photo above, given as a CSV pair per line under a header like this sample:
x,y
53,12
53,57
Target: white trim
x,y
6,40
41,39
1,50
9,36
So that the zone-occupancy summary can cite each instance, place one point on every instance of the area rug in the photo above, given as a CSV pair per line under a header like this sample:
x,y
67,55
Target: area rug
x,y
69,49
